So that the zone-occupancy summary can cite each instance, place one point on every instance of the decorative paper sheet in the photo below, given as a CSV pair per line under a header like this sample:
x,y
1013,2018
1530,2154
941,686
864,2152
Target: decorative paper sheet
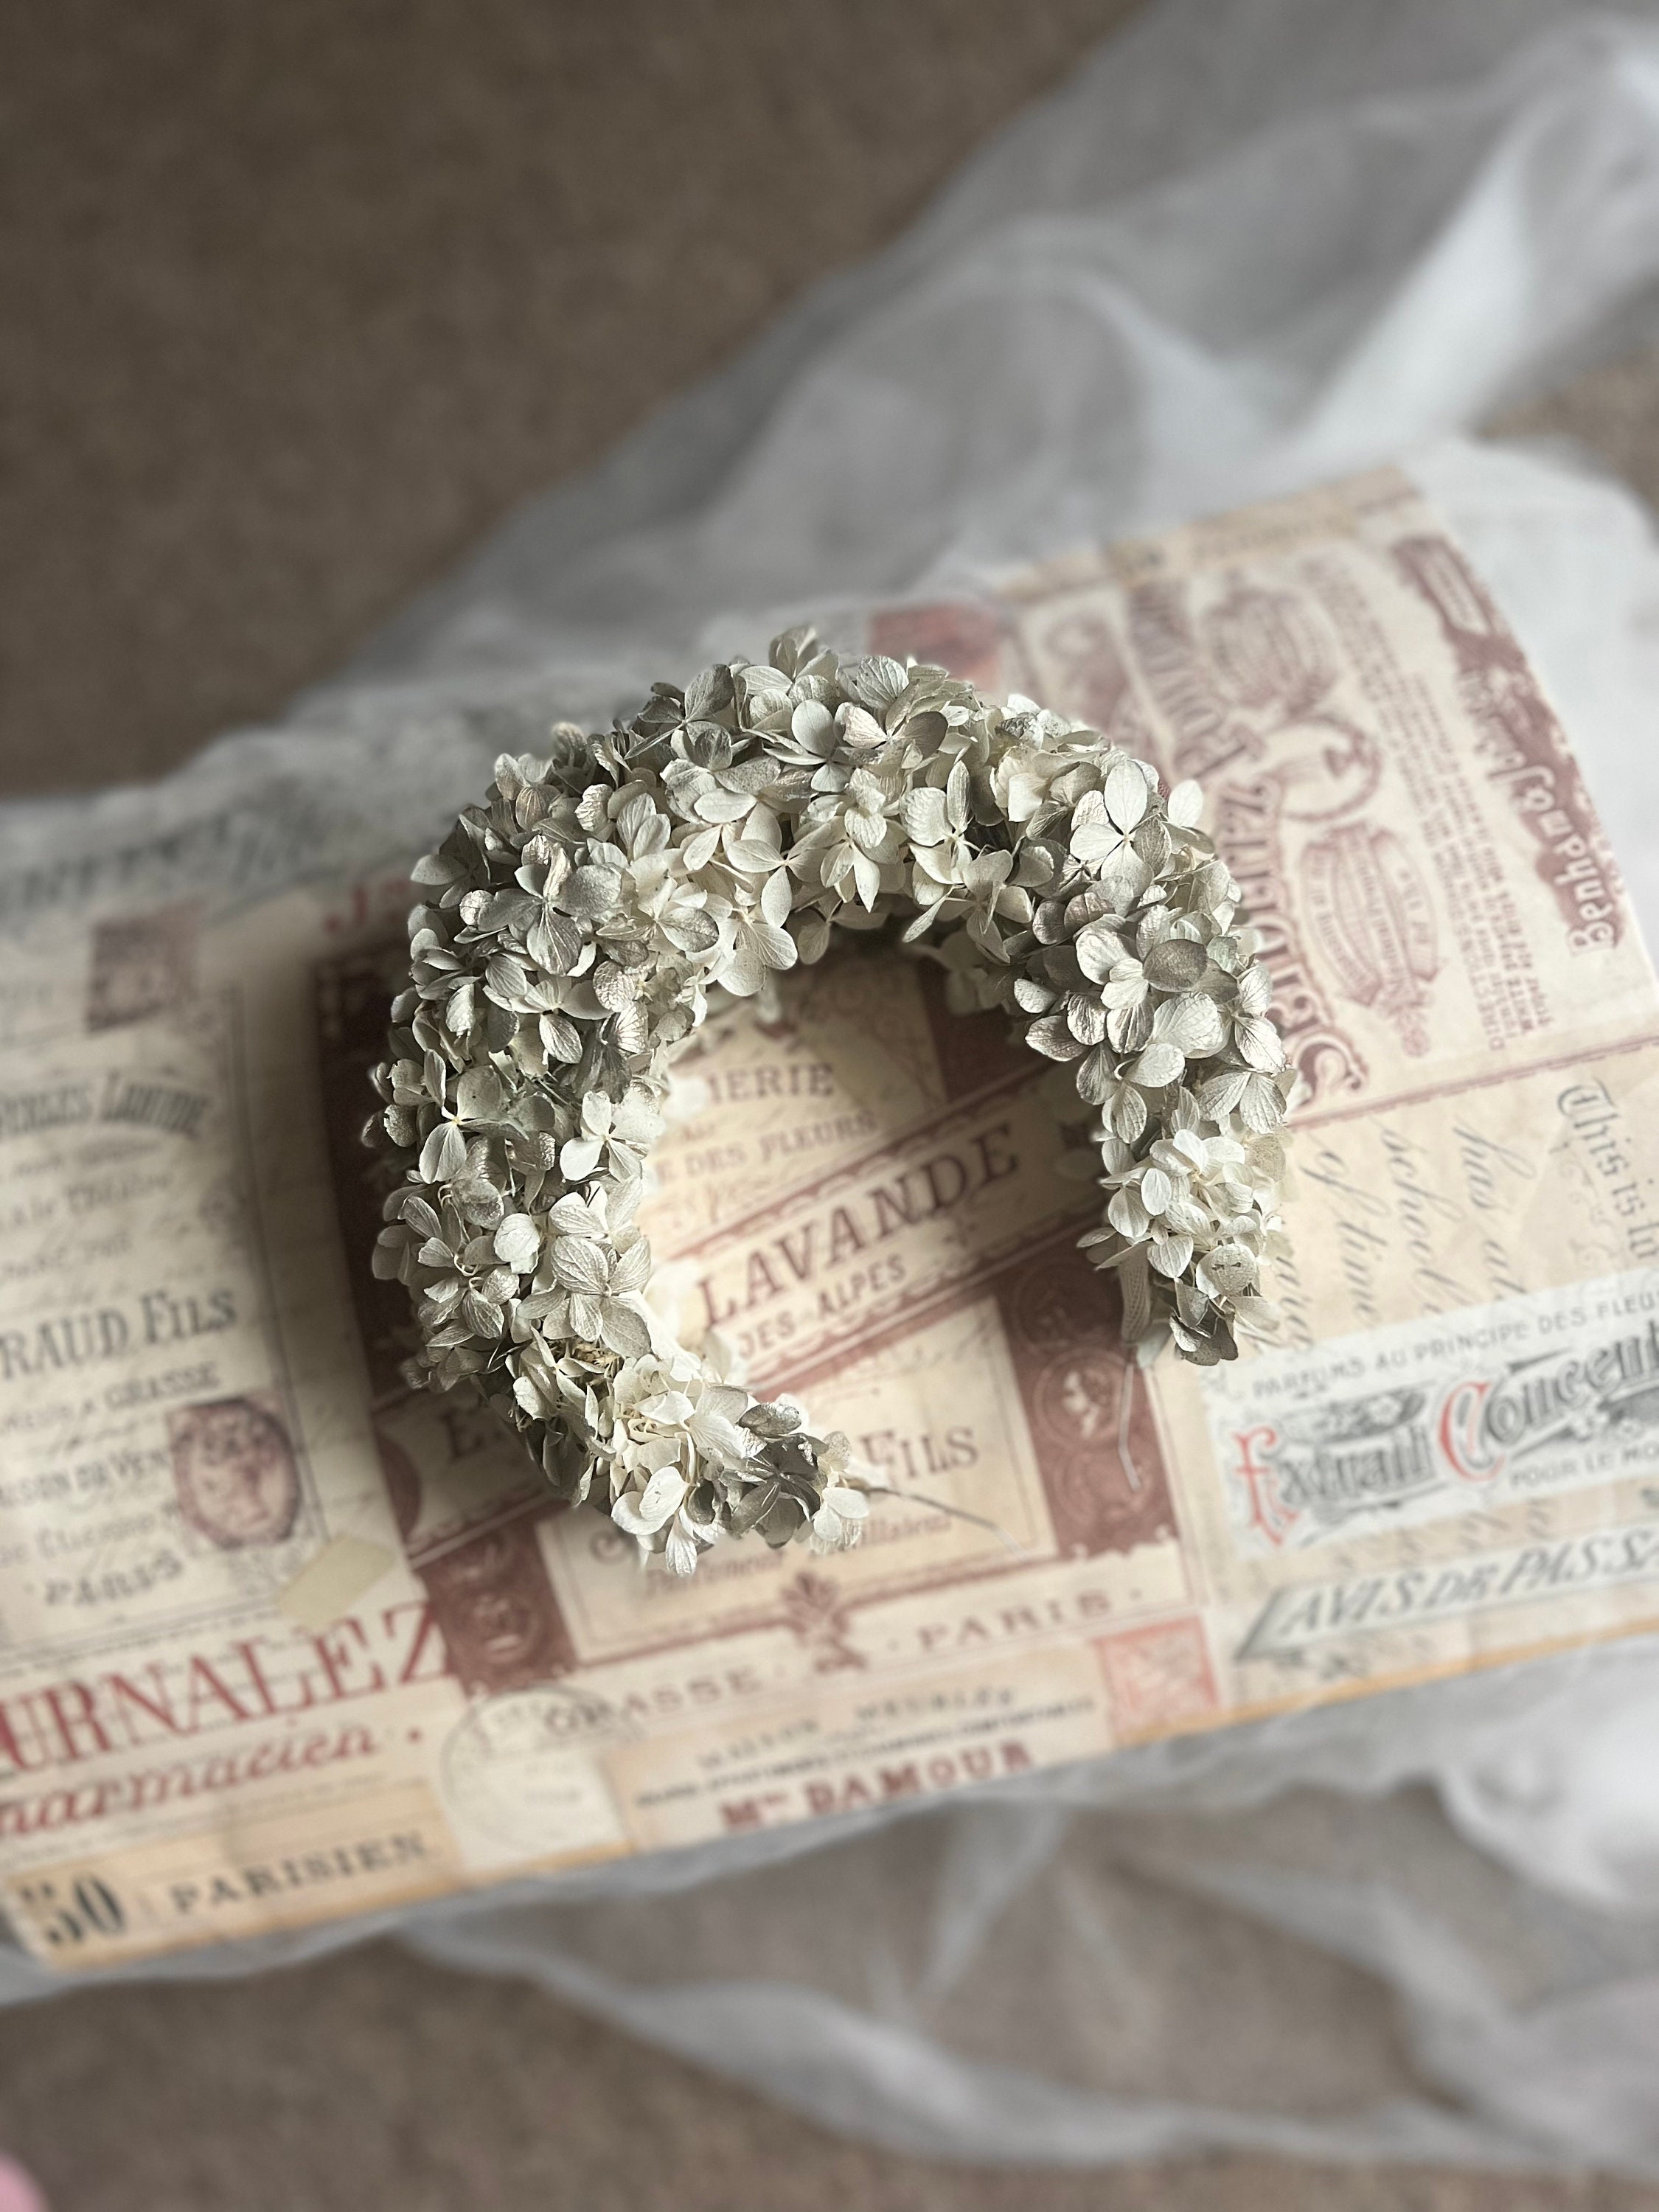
x,y
279,1641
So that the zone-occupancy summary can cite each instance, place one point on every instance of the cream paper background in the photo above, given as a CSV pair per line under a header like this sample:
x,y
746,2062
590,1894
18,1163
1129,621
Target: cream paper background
x,y
1243,256
285,1640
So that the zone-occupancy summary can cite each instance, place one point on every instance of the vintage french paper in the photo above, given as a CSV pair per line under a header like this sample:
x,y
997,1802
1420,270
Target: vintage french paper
x,y
280,1641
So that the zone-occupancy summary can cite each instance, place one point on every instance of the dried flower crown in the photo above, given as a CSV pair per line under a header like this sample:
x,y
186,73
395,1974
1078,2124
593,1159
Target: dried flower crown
x,y
576,923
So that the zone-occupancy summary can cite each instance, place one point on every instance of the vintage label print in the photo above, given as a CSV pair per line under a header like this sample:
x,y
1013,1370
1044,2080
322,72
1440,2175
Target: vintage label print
x,y
153,1473
1520,1399
281,1641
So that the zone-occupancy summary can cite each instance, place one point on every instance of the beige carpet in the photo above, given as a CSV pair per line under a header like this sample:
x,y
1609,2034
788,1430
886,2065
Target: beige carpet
x,y
298,299
372,2084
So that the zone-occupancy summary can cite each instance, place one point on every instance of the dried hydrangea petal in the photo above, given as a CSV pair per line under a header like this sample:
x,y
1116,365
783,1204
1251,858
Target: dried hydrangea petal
x,y
577,922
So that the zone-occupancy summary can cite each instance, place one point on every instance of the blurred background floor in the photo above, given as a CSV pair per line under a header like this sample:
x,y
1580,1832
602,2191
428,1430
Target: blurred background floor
x,y
373,2081
300,301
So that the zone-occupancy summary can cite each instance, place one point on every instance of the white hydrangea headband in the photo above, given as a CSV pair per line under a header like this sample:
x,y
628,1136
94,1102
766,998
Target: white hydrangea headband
x,y
577,921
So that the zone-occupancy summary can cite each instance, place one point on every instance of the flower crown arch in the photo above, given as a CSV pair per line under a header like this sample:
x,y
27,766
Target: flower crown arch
x,y
574,926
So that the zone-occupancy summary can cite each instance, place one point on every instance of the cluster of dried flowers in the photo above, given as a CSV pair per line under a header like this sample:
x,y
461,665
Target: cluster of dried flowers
x,y
576,923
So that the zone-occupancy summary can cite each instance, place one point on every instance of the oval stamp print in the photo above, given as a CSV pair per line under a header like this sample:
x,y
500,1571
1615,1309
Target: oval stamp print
x,y
233,1471
524,1768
